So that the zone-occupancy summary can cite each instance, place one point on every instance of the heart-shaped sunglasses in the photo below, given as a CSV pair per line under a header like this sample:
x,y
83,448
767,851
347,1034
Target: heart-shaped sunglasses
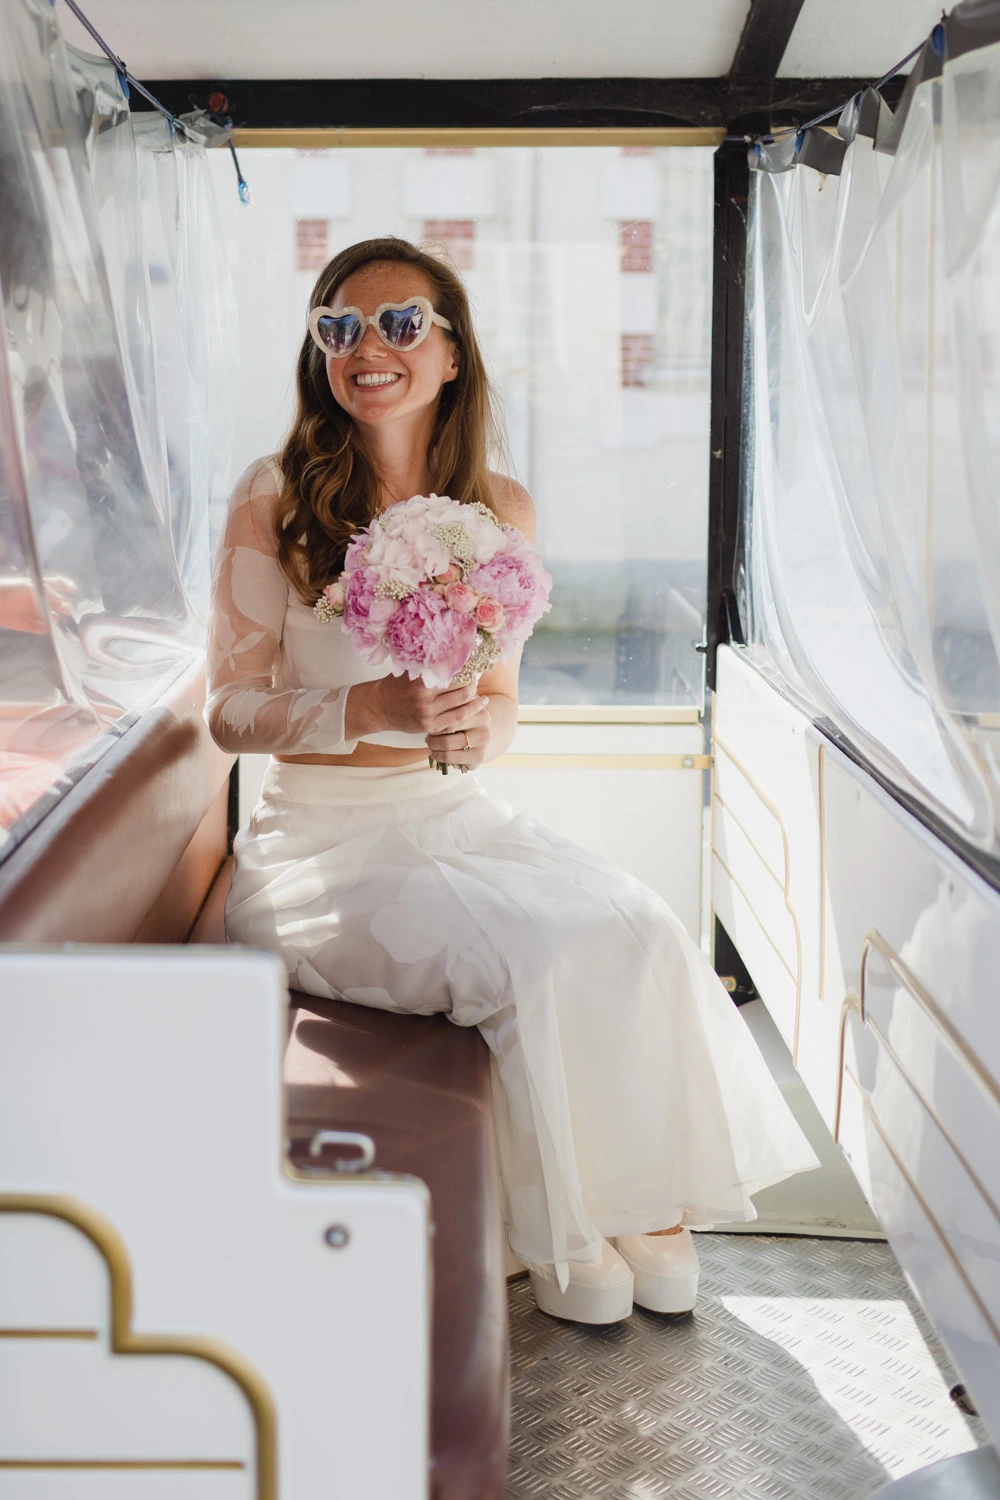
x,y
400,325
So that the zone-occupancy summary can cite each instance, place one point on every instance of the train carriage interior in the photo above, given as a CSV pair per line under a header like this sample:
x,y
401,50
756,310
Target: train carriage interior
x,y
735,270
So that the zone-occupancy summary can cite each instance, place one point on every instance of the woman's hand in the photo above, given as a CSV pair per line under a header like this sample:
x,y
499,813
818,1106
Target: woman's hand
x,y
467,745
399,703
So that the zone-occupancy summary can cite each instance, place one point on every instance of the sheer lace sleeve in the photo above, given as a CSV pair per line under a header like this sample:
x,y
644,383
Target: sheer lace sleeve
x,y
245,711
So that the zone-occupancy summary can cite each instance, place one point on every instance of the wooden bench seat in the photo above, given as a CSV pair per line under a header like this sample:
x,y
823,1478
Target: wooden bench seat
x,y
136,851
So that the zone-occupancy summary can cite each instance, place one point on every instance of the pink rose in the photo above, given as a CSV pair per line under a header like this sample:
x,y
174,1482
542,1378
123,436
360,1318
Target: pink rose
x,y
452,575
336,595
459,596
489,614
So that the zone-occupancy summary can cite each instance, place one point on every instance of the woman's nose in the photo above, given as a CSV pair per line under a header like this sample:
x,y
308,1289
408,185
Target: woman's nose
x,y
371,343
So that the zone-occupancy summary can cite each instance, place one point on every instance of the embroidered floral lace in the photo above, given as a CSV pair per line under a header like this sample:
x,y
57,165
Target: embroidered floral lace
x,y
248,709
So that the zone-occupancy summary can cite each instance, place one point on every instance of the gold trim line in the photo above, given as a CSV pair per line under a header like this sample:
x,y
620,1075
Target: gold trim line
x,y
603,713
928,1213
719,743
121,1463
603,762
123,1340
487,136
48,1333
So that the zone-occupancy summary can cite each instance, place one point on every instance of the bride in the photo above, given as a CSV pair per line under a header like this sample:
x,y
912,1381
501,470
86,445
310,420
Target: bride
x,y
630,1100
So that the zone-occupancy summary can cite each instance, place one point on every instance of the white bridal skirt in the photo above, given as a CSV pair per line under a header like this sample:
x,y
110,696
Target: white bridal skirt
x,y
628,1093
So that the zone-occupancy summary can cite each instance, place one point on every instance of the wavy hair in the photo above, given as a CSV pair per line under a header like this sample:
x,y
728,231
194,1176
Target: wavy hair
x,y
331,487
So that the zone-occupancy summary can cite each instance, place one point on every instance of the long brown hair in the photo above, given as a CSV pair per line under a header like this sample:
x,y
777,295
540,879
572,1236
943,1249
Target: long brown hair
x,y
331,488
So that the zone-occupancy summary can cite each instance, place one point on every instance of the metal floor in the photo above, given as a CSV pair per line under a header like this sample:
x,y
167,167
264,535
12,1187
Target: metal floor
x,y
806,1373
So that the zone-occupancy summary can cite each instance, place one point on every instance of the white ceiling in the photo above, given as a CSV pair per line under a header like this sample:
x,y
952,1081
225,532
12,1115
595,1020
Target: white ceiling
x,y
226,39
856,38
416,38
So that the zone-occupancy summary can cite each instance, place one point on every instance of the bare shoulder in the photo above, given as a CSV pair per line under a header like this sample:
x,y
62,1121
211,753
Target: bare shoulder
x,y
513,504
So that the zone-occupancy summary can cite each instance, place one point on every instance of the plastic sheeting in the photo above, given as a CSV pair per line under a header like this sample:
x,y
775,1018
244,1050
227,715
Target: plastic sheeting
x,y
110,440
872,525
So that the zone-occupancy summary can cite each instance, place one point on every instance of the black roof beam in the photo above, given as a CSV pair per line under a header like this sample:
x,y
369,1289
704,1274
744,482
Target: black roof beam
x,y
568,103
765,36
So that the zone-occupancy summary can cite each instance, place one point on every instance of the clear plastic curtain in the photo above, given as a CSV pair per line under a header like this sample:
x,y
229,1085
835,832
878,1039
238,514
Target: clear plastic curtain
x,y
100,587
872,517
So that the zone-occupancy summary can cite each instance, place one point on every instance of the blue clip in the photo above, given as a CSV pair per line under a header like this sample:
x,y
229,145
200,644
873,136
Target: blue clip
x,y
937,39
800,136
244,192
123,81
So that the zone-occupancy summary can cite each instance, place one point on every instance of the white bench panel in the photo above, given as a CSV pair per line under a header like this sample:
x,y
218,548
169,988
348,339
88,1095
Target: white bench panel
x,y
147,1083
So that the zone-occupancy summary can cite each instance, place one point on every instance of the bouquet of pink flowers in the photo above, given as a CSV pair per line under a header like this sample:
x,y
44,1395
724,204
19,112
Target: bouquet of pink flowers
x,y
439,589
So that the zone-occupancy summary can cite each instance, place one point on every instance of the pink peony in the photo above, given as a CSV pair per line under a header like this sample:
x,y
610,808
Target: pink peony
x,y
489,614
363,616
459,596
424,638
516,579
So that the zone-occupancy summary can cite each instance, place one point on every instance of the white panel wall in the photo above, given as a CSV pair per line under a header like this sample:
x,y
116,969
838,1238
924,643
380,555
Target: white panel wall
x,y
894,1006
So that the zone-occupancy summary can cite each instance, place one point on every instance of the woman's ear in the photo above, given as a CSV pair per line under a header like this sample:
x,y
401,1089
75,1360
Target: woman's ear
x,y
451,373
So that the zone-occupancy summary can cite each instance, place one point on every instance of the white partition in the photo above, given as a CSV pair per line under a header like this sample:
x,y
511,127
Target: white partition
x,y
175,1315
893,1000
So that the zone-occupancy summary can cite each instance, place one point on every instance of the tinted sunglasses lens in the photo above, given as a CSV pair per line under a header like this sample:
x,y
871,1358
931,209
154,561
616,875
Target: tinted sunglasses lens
x,y
402,326
339,334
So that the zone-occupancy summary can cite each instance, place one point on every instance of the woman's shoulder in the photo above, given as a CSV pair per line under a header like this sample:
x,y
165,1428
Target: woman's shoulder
x,y
512,503
259,479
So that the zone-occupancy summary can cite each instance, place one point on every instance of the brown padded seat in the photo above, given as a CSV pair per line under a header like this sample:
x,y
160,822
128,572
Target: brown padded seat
x,y
420,1087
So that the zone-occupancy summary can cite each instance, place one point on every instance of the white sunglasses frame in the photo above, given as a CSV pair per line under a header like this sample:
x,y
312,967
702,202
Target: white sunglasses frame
x,y
430,318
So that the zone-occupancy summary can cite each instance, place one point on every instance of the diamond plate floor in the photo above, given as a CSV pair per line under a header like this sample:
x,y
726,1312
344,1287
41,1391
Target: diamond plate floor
x,y
806,1373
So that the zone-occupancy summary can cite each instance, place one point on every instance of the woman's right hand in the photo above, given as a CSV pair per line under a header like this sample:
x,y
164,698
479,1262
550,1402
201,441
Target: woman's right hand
x,y
403,704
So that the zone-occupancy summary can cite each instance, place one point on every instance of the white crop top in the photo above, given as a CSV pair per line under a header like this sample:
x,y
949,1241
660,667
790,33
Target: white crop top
x,y
278,677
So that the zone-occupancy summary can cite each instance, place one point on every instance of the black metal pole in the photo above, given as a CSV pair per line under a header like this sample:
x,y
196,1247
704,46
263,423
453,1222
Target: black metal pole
x,y
732,188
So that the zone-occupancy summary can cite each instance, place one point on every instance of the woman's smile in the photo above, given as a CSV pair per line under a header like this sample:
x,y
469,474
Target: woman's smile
x,y
369,379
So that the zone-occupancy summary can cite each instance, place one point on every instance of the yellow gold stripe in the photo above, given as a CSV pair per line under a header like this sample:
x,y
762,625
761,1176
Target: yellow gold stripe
x,y
778,880
775,811
486,136
123,1340
946,1246
600,713
604,762
48,1333
736,886
121,1463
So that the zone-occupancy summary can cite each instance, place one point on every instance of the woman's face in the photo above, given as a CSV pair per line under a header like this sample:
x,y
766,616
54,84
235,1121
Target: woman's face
x,y
417,375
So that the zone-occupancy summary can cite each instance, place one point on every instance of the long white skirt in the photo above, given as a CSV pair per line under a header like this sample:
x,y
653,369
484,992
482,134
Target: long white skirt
x,y
628,1093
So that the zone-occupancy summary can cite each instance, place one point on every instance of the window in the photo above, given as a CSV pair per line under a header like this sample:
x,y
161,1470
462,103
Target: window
x,y
589,273
456,237
311,244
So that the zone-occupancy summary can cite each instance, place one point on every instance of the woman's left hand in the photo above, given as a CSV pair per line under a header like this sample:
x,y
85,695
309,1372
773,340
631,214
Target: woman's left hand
x,y
463,747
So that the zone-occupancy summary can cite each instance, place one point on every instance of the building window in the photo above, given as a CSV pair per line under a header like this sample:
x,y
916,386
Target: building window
x,y
311,244
637,357
457,237
637,244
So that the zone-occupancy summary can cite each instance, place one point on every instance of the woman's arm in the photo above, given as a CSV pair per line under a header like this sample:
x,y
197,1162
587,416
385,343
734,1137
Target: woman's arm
x,y
244,710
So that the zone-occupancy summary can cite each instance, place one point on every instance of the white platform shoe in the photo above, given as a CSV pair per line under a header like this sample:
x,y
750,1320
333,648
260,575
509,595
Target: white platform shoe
x,y
598,1291
664,1269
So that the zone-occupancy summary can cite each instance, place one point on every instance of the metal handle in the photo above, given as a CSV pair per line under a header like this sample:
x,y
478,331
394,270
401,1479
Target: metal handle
x,y
364,1143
